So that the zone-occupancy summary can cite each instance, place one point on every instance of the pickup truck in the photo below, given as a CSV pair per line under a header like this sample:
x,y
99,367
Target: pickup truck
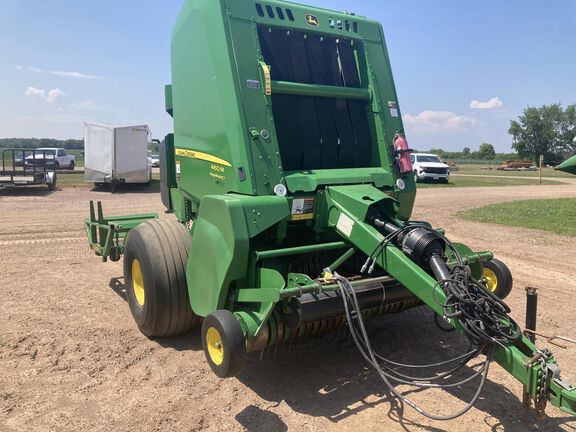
x,y
55,158
429,167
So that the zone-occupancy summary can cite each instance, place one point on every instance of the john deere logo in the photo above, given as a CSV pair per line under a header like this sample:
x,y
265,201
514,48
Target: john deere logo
x,y
312,20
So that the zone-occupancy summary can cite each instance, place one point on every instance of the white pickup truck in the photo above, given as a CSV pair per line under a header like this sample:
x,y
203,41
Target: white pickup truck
x,y
55,158
429,167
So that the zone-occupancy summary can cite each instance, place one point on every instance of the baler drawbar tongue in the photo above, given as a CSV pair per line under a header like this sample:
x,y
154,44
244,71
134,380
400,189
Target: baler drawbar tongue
x,y
417,256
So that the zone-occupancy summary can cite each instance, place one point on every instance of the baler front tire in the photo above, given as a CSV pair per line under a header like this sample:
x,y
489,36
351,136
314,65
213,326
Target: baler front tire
x,y
224,343
498,277
155,259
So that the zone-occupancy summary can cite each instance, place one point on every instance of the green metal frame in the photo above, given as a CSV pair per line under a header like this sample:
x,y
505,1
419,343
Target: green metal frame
x,y
106,235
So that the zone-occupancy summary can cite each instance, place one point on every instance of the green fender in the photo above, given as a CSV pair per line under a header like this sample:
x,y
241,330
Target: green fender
x,y
221,244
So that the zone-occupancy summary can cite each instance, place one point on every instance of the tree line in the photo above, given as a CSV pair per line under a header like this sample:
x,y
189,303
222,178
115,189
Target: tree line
x,y
547,131
32,143
485,152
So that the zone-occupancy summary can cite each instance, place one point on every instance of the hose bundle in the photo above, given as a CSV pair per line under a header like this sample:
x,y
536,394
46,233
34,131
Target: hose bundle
x,y
386,368
482,316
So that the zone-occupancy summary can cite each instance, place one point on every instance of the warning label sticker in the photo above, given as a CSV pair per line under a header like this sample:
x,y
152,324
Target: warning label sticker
x,y
345,225
303,209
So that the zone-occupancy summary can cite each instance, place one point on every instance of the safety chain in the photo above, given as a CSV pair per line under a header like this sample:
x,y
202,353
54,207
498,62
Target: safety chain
x,y
542,388
117,238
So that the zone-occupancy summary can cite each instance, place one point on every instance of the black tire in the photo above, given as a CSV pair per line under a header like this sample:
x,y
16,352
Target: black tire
x,y
72,166
56,165
415,176
496,269
159,299
228,360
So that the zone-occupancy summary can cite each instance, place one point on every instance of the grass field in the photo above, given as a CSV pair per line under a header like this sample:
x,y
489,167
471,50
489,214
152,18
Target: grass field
x,y
557,215
463,181
486,169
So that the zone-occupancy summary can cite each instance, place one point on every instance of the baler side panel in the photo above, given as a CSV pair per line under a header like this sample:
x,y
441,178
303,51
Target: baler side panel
x,y
208,124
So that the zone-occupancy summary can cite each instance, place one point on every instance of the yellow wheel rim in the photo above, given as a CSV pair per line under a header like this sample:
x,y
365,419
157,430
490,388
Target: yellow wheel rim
x,y
138,283
491,279
215,346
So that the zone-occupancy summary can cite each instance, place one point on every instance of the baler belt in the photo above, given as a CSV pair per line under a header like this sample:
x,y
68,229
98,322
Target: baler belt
x,y
315,132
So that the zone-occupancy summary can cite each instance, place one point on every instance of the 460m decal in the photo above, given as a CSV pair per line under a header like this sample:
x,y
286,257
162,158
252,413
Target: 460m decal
x,y
193,154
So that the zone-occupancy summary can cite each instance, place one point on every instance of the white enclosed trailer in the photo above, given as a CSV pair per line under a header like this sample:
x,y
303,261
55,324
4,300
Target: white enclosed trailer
x,y
114,155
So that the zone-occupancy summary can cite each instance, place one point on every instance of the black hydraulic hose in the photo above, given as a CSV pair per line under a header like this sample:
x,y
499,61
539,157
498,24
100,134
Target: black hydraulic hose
x,y
363,343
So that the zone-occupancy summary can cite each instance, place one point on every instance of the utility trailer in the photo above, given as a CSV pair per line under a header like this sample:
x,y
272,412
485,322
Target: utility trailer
x,y
116,155
289,178
17,172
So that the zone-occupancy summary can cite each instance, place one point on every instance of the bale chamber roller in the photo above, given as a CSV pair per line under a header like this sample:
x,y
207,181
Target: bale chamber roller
x,y
290,180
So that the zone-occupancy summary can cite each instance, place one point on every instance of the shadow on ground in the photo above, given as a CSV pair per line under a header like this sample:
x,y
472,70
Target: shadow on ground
x,y
118,286
27,191
255,419
327,377
153,187
185,342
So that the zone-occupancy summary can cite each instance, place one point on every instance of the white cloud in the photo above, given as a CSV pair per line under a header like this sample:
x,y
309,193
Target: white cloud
x,y
35,92
490,104
438,122
74,75
54,94
49,96
65,74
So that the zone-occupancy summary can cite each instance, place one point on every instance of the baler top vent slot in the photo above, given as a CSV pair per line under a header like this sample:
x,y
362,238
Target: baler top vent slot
x,y
316,132
348,25
270,12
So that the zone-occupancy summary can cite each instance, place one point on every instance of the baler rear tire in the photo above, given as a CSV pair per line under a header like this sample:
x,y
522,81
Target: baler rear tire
x,y
155,259
499,277
224,343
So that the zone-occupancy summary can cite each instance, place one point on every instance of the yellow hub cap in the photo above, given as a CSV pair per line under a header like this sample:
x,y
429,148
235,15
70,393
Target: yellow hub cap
x,y
491,279
138,282
215,346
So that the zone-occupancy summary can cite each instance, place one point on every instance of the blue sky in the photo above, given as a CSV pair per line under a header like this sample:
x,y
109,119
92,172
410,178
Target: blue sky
x,y
463,70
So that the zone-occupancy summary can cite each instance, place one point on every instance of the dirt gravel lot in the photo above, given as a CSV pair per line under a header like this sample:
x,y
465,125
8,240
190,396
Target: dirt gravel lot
x,y
71,358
